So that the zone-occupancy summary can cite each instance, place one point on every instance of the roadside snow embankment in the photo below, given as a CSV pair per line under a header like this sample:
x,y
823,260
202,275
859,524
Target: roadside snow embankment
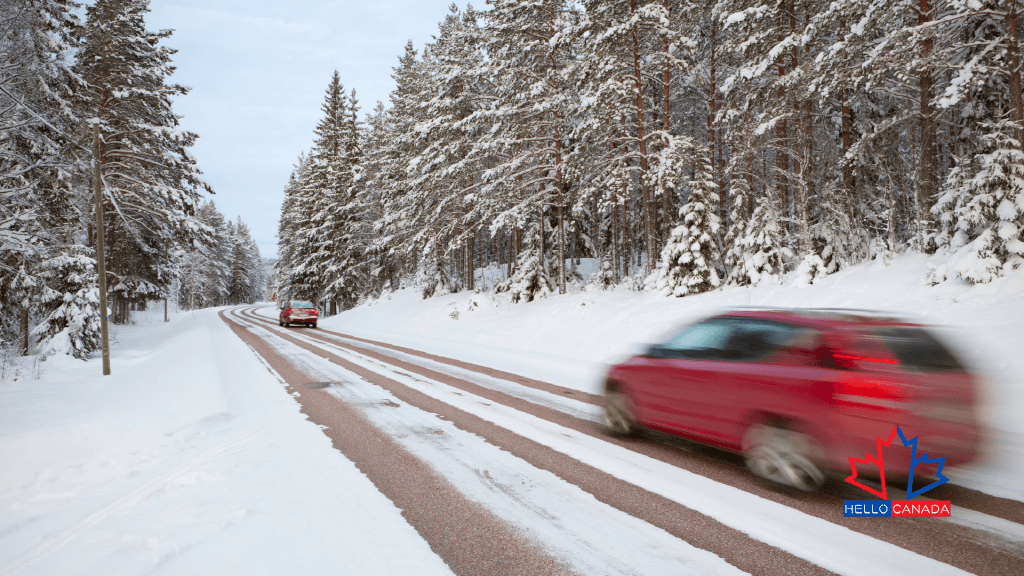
x,y
191,458
569,340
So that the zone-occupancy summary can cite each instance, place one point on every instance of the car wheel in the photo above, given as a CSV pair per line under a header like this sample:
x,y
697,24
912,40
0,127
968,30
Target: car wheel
x,y
313,325
618,415
782,455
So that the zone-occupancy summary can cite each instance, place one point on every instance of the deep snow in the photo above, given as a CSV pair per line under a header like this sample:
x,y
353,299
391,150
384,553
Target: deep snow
x,y
191,458
570,339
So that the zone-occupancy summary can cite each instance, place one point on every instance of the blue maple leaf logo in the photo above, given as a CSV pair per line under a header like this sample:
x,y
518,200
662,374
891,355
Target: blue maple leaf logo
x,y
915,461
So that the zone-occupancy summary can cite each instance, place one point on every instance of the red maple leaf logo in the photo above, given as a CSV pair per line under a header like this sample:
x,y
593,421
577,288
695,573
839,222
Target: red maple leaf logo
x,y
877,460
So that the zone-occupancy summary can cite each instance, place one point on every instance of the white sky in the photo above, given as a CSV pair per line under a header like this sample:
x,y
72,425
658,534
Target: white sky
x,y
258,70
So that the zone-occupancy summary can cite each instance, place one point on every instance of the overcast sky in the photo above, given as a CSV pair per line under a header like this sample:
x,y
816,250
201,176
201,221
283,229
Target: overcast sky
x,y
258,70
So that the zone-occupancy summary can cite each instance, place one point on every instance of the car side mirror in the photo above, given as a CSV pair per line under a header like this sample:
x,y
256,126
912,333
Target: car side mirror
x,y
656,352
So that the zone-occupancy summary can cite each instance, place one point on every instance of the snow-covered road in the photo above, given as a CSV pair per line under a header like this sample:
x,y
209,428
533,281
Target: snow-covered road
x,y
210,450
549,468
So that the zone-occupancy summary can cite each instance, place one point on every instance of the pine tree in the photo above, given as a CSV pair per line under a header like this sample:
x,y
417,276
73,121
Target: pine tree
x,y
72,325
38,212
152,184
531,280
982,208
626,47
532,62
689,262
296,211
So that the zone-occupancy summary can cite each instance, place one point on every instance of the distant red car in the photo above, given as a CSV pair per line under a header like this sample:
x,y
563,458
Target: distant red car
x,y
298,312
797,392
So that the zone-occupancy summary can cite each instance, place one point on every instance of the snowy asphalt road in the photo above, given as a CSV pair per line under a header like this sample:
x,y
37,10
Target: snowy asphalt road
x,y
502,474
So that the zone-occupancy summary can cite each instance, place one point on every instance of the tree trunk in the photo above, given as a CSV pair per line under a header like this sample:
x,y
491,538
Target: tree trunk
x,y
642,140
666,123
929,168
24,327
781,160
1013,53
712,110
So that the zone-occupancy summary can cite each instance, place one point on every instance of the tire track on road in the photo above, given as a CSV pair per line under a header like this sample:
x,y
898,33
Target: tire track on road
x,y
469,539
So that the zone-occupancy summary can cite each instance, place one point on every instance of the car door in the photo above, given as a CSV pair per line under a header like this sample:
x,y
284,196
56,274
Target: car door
x,y
676,372
771,367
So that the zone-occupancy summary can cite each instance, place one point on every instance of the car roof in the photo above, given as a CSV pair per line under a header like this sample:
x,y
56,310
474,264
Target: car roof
x,y
822,318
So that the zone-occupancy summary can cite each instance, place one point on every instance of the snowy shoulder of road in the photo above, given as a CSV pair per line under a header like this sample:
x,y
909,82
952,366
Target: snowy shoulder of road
x,y
191,458
570,339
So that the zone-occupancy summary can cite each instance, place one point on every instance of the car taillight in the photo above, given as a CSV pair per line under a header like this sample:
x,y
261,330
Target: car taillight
x,y
869,393
315,312
287,311
847,361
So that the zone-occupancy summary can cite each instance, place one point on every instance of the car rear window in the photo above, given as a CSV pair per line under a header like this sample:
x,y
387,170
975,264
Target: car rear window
x,y
300,304
917,348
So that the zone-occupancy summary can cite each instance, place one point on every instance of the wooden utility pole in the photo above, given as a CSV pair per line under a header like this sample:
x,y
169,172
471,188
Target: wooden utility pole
x,y
101,268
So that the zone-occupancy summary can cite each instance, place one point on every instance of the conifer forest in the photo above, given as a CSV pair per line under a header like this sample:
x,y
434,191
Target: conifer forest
x,y
65,66
684,146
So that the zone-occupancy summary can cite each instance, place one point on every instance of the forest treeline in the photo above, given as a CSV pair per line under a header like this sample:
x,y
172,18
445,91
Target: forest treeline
x,y
684,145
62,73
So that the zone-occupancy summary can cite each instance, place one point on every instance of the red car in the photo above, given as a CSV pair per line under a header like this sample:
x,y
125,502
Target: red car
x,y
798,392
298,312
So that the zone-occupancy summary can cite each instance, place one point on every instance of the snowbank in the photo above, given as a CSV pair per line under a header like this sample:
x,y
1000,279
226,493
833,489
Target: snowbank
x,y
570,339
190,459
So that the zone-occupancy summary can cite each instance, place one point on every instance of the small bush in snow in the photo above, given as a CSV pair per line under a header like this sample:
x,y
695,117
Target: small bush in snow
x,y
810,269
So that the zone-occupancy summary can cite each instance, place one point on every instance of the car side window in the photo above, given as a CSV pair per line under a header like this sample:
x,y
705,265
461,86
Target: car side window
x,y
703,341
752,339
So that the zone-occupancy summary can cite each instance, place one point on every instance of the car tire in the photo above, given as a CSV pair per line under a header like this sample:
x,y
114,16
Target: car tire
x,y
313,325
618,415
778,453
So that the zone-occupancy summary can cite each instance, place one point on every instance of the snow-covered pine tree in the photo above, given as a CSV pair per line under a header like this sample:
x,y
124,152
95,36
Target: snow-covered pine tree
x,y
38,215
383,266
346,271
72,301
982,209
626,46
440,202
194,279
248,281
218,253
531,60
324,237
296,211
390,154
530,281
690,260
152,184
758,247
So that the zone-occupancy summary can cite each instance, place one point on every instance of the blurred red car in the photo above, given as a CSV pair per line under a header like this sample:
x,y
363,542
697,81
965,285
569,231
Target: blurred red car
x,y
797,392
298,312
